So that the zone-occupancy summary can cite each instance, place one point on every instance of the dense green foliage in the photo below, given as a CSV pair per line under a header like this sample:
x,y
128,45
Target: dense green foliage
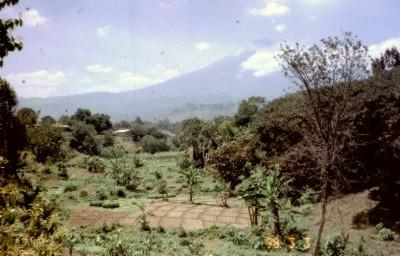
x,y
46,142
8,42
47,120
83,139
247,110
100,122
151,144
12,132
27,116
124,173
234,160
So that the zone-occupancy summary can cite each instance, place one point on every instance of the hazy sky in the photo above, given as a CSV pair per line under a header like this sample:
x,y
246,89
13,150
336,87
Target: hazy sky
x,y
79,46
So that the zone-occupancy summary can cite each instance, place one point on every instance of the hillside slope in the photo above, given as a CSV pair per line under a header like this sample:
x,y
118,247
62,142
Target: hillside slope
x,y
223,82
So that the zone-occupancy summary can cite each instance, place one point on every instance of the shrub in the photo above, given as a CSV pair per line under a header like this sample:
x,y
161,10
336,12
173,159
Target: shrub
x,y
95,165
83,193
27,117
386,234
108,140
309,197
110,204
151,144
184,163
105,204
124,174
46,143
62,171
142,220
111,152
137,162
46,171
70,188
335,246
96,203
48,120
83,139
120,192
233,160
103,194
379,226
100,122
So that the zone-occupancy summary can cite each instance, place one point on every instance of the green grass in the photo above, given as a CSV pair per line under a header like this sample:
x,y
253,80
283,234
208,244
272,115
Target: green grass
x,y
86,189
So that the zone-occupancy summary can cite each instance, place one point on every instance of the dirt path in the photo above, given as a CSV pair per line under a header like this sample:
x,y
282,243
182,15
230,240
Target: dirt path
x,y
165,214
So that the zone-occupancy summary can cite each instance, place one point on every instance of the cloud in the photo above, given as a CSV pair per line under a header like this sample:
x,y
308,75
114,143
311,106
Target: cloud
x,y
99,69
158,74
280,27
202,46
126,78
164,73
164,5
41,78
376,50
33,18
261,63
272,8
40,83
103,31
86,81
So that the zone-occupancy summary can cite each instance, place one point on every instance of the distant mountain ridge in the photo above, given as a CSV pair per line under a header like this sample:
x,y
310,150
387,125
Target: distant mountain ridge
x,y
223,82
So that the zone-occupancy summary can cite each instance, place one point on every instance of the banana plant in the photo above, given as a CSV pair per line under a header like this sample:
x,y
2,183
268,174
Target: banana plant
x,y
191,176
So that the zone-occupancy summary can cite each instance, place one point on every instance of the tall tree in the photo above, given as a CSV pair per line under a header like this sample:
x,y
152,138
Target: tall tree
x,y
27,116
324,74
389,59
7,42
12,132
247,110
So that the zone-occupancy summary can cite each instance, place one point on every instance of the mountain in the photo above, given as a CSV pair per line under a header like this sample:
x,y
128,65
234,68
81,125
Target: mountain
x,y
220,85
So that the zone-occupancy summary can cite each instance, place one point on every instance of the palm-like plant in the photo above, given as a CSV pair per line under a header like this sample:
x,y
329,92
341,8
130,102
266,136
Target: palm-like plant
x,y
273,189
191,176
265,189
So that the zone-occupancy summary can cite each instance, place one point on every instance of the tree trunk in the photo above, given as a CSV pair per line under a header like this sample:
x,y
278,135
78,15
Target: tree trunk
x,y
317,248
277,222
190,193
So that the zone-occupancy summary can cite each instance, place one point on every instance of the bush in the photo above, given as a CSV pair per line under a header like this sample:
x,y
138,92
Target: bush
x,y
100,122
335,246
103,194
233,160
151,144
137,162
27,117
105,204
46,143
48,120
124,174
62,171
120,192
95,165
108,140
83,193
386,234
111,152
46,171
96,203
83,139
309,197
110,204
70,188
184,163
